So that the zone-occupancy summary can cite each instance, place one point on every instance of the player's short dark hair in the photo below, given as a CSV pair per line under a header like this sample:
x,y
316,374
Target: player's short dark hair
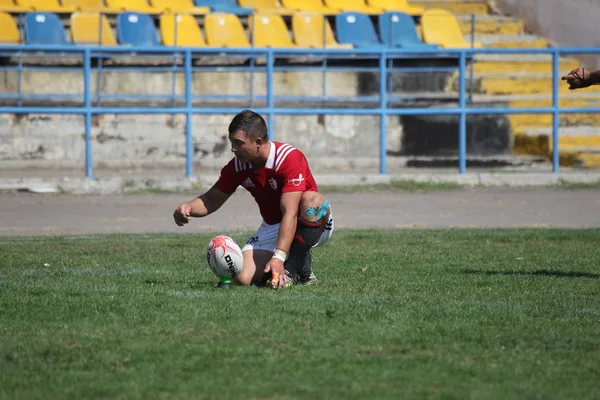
x,y
251,123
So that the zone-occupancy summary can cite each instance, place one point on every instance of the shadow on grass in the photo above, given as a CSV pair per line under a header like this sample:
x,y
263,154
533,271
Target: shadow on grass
x,y
542,272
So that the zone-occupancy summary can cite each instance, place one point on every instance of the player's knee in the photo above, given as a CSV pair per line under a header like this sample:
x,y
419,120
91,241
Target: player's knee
x,y
245,277
313,206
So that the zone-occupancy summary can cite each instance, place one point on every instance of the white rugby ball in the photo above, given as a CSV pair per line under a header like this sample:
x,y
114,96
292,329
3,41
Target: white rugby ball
x,y
224,257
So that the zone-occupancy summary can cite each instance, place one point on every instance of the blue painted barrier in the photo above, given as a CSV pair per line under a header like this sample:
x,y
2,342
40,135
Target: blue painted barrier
x,y
380,108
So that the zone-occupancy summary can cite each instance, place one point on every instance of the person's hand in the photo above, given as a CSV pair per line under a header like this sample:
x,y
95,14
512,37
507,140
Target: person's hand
x,y
279,278
578,78
182,214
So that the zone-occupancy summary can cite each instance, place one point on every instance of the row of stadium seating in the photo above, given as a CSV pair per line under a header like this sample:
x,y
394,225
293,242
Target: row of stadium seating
x,y
352,29
241,7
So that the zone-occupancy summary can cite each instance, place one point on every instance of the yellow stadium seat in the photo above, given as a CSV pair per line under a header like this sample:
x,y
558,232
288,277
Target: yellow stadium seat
x,y
180,30
396,5
141,6
90,5
9,34
269,31
45,6
314,6
87,28
9,6
179,6
308,32
353,5
441,27
225,30
266,7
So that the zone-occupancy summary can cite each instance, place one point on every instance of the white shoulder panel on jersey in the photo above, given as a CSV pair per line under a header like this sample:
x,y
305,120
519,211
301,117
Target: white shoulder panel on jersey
x,y
282,153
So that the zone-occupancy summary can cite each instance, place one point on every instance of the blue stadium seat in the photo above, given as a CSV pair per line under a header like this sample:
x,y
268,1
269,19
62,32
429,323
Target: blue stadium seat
x,y
397,29
135,29
356,29
44,28
225,6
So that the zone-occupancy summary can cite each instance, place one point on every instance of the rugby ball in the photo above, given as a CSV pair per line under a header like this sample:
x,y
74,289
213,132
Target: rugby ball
x,y
224,257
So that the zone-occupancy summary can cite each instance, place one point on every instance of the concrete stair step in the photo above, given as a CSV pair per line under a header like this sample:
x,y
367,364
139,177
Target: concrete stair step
x,y
575,151
521,122
523,85
490,25
511,67
458,7
510,41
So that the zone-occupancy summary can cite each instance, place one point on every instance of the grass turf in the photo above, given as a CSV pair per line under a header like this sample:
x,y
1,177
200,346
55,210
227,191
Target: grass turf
x,y
405,314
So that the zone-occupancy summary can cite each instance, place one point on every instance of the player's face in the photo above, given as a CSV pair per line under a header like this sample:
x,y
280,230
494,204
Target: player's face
x,y
244,148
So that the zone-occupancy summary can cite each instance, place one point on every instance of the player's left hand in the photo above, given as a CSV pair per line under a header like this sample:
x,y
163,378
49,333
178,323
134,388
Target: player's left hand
x,y
578,78
275,266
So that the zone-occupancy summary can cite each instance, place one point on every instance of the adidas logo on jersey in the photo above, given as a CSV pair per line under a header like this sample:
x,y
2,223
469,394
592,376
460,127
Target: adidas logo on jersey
x,y
248,183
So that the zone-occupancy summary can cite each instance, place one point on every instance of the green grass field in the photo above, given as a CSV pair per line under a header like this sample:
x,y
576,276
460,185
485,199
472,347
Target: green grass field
x,y
408,314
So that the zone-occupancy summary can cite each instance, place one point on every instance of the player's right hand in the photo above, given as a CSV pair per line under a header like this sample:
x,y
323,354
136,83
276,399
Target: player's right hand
x,y
182,214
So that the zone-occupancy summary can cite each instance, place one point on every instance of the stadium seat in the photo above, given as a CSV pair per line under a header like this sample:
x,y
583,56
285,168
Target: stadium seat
x,y
397,29
396,5
225,30
441,27
265,7
9,6
353,5
313,6
356,29
269,31
9,34
44,28
51,6
225,6
179,6
180,30
88,28
90,6
136,29
314,31
140,6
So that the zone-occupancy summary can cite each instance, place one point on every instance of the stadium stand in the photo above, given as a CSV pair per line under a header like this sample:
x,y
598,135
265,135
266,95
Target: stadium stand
x,y
9,34
140,6
90,5
313,6
9,6
225,30
266,7
356,29
180,30
135,29
52,6
179,6
397,29
224,6
44,28
396,5
441,27
353,5
314,31
270,31
91,28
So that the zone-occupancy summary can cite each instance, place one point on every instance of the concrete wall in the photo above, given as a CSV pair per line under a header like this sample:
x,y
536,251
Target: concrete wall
x,y
568,23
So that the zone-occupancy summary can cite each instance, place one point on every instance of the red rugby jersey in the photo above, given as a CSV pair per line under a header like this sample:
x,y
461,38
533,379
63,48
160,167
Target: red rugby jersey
x,y
286,171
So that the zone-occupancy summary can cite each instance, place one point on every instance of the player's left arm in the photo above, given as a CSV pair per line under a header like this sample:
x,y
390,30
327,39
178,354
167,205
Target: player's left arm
x,y
290,203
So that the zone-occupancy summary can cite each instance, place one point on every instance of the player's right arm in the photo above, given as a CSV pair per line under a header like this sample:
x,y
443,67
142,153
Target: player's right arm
x,y
200,206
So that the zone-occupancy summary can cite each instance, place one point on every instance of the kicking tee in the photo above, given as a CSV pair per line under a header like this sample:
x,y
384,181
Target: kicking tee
x,y
286,171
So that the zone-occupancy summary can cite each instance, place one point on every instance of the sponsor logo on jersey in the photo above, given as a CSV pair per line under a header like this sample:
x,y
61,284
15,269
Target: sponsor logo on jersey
x,y
248,183
297,181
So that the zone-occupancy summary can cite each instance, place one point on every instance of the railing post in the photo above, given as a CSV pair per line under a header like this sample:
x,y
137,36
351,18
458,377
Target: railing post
x,y
383,112
462,126
472,59
189,139
270,94
87,108
555,113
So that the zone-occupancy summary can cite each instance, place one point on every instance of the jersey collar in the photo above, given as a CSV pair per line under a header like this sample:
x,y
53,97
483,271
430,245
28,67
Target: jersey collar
x,y
271,160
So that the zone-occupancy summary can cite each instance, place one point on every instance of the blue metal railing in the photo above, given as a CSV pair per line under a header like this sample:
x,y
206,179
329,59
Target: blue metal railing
x,y
381,108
